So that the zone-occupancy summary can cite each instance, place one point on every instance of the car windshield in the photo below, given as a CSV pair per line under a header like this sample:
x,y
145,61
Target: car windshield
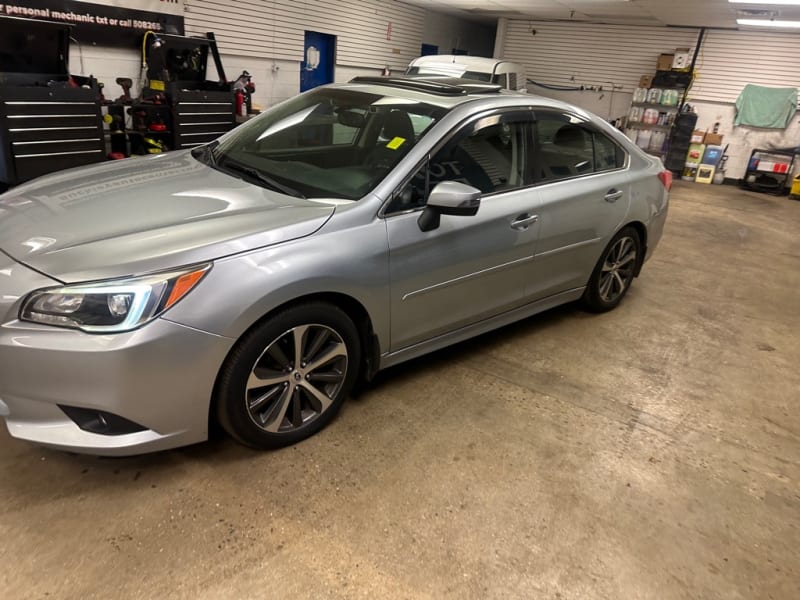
x,y
327,143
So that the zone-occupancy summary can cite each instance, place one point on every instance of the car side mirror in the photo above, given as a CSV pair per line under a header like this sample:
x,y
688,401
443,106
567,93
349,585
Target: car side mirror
x,y
449,198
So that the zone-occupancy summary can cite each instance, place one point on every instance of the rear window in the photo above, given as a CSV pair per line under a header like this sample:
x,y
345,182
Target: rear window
x,y
568,146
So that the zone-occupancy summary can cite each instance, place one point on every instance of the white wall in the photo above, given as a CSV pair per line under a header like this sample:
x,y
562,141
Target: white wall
x,y
727,62
591,53
604,104
742,140
106,64
575,54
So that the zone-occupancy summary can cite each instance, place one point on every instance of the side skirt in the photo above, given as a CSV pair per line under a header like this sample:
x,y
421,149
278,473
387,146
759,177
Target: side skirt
x,y
470,331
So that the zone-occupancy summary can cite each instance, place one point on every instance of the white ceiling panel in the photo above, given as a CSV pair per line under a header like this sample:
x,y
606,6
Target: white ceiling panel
x,y
692,13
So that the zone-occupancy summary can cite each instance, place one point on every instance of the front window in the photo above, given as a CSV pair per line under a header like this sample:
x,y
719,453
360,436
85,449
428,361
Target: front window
x,y
328,143
489,154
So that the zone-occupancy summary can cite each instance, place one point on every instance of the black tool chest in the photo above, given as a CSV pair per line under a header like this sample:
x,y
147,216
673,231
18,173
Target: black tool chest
x,y
44,130
48,120
200,116
188,109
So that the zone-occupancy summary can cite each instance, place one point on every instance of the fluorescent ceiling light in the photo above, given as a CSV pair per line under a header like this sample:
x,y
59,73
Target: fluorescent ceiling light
x,y
769,23
776,2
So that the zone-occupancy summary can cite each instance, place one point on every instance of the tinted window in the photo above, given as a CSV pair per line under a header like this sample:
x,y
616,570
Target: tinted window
x,y
489,155
570,147
607,154
477,75
501,80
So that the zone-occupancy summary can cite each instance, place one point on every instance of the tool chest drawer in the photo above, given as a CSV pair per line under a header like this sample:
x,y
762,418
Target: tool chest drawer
x,y
202,116
44,130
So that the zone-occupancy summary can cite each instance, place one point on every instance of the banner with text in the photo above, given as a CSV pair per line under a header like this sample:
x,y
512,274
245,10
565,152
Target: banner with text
x,y
172,7
114,25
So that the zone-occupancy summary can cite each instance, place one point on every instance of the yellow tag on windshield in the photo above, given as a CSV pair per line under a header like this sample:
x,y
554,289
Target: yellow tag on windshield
x,y
396,143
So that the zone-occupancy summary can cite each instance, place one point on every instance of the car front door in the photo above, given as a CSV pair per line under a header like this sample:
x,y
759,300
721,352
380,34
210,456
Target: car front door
x,y
584,190
470,267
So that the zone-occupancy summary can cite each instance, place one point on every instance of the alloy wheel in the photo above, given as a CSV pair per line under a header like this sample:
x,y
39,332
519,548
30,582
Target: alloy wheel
x,y
618,269
296,378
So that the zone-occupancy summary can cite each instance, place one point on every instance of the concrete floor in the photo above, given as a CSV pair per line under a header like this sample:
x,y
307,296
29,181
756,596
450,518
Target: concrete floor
x,y
652,452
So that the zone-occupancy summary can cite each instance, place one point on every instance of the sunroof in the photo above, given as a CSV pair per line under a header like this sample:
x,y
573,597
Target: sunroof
x,y
443,86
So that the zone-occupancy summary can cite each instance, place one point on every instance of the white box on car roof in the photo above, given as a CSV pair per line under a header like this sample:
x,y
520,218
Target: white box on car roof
x,y
494,70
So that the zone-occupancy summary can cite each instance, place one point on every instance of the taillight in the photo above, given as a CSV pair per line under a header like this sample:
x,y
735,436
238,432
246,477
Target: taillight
x,y
665,177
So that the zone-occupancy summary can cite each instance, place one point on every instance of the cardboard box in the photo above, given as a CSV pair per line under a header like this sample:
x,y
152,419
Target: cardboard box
x,y
683,58
645,81
665,62
698,136
713,139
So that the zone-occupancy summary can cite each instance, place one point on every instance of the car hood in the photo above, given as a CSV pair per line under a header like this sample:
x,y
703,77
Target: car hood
x,y
145,214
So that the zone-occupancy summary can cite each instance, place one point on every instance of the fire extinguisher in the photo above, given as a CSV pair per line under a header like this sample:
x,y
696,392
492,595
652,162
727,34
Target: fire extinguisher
x,y
243,88
241,106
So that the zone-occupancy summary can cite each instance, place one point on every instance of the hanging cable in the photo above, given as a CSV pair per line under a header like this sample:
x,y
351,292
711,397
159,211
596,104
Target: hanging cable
x,y
557,88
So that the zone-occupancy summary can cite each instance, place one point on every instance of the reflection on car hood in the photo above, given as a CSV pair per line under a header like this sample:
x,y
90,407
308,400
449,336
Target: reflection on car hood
x,y
141,215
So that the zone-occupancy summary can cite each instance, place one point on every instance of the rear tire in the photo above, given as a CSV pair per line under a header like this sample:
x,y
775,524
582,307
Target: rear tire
x,y
288,376
614,272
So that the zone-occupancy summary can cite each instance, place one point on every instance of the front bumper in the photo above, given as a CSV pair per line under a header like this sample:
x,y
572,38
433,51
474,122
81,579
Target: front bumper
x,y
160,376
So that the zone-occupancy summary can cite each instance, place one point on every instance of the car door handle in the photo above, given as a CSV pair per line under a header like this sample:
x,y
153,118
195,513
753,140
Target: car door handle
x,y
524,221
613,195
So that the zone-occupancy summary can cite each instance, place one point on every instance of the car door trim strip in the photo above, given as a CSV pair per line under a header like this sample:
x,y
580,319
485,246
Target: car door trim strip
x,y
480,273
570,247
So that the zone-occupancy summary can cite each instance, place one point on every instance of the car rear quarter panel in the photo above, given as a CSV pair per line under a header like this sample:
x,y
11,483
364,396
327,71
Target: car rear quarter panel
x,y
649,201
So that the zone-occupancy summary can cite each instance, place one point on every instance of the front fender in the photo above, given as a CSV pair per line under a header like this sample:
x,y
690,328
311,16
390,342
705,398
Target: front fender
x,y
240,290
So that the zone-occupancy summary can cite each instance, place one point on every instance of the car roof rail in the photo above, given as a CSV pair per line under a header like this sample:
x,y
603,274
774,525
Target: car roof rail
x,y
441,86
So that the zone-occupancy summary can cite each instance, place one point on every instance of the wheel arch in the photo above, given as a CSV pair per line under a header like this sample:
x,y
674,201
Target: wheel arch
x,y
641,229
354,309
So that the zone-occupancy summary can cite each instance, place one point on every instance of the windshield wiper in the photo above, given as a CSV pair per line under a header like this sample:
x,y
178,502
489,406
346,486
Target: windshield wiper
x,y
206,151
253,173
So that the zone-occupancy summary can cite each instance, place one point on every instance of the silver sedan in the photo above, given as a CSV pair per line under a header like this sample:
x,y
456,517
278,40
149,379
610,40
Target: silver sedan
x,y
253,280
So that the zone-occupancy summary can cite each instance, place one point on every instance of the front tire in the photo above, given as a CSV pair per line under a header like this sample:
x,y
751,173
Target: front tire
x,y
614,272
288,377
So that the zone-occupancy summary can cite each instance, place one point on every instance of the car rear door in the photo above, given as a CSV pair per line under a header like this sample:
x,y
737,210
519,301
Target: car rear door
x,y
584,187
469,268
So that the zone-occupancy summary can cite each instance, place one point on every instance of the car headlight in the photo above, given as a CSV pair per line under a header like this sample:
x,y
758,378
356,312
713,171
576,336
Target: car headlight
x,y
111,306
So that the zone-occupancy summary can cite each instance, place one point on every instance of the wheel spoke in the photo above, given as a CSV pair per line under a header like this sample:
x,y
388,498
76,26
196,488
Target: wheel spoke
x,y
620,283
326,377
255,381
336,351
317,397
605,286
278,354
317,343
607,266
254,405
273,419
299,335
615,253
626,273
297,408
630,256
